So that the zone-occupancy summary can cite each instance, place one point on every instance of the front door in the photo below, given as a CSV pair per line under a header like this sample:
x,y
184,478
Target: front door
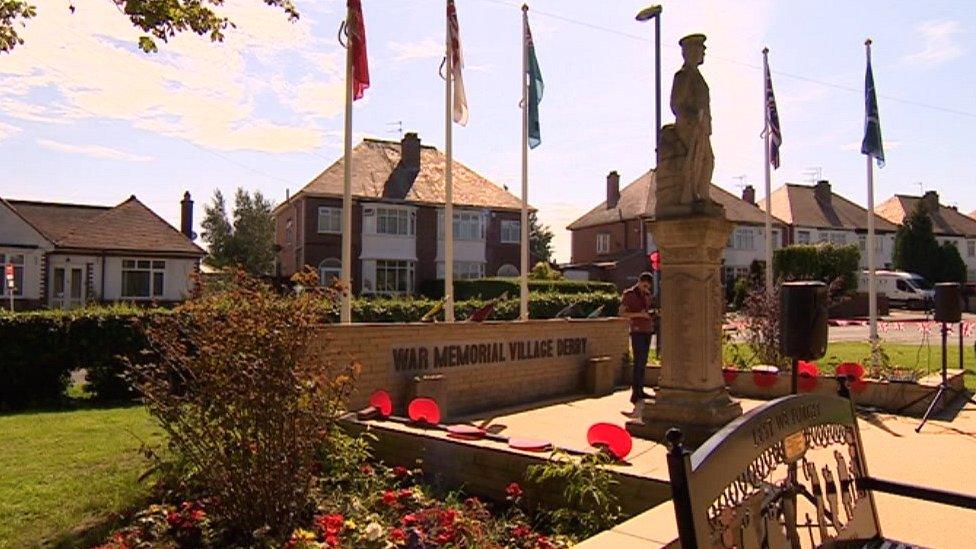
x,y
68,288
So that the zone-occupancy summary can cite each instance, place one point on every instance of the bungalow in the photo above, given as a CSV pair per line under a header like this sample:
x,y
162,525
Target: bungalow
x,y
66,255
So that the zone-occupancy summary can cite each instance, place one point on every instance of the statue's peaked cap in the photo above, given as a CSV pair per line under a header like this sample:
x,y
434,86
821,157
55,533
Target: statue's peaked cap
x,y
700,38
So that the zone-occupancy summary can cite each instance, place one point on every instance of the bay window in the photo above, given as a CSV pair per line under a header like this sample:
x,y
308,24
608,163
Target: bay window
x,y
143,278
394,276
511,231
395,221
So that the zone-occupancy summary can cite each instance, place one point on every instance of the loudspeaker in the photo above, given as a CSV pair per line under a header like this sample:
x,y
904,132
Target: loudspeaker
x,y
948,302
803,320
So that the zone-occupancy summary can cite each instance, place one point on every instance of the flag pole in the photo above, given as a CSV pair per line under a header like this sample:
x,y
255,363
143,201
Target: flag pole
x,y
872,281
524,225
769,203
448,179
345,315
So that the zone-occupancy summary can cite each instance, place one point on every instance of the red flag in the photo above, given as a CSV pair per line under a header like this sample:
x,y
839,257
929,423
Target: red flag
x,y
356,31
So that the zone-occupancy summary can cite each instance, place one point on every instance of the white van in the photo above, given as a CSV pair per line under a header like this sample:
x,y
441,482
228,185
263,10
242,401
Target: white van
x,y
907,289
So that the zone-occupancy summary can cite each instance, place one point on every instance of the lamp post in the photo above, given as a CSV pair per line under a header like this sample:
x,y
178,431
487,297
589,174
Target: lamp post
x,y
654,12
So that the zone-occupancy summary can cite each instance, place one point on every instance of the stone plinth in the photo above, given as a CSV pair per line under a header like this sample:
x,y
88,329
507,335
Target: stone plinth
x,y
691,393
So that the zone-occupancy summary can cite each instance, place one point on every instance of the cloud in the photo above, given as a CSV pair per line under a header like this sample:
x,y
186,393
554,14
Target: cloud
x,y
937,41
84,66
7,131
428,48
94,151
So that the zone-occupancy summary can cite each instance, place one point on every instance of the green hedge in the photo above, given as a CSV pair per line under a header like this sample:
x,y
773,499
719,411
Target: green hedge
x,y
490,288
41,349
824,262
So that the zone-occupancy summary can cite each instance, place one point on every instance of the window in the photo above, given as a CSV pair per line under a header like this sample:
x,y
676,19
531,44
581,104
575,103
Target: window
x,y
744,239
395,221
802,237
330,270
394,277
289,232
971,248
603,243
777,239
142,278
837,238
862,242
330,220
463,269
511,231
17,260
508,271
467,226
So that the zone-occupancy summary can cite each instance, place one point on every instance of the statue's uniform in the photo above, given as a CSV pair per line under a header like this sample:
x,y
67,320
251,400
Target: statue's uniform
x,y
693,123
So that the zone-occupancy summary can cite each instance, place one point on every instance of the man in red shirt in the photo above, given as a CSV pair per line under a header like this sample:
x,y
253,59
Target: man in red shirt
x,y
636,304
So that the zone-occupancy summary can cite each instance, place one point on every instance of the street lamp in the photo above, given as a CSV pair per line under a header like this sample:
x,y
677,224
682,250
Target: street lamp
x,y
654,12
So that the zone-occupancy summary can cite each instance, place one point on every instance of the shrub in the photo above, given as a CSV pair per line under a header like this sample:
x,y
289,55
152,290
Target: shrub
x,y
761,315
544,271
489,288
247,403
825,262
588,504
34,368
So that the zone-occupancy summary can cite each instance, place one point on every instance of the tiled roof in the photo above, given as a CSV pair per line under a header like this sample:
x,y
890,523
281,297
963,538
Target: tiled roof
x,y
799,206
130,226
638,200
945,220
377,173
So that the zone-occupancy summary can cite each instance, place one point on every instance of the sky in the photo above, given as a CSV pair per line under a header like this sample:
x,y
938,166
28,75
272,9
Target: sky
x,y
87,117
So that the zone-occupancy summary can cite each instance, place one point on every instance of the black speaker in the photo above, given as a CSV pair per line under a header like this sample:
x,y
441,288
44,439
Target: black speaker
x,y
803,320
948,302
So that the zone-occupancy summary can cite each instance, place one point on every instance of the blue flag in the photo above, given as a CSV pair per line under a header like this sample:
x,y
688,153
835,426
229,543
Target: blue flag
x,y
872,145
536,88
772,116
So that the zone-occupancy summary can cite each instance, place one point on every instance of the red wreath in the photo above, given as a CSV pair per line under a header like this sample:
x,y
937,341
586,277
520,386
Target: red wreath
x,y
807,373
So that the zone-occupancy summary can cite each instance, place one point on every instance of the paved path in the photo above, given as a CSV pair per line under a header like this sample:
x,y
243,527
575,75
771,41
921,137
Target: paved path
x,y
943,455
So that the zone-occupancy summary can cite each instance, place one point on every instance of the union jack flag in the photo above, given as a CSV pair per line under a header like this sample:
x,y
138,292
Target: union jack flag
x,y
772,121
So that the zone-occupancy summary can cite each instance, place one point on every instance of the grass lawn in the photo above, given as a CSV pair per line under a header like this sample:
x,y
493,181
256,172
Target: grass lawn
x,y
922,358
63,471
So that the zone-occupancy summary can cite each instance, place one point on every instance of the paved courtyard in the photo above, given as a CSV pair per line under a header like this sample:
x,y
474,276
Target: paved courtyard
x,y
941,456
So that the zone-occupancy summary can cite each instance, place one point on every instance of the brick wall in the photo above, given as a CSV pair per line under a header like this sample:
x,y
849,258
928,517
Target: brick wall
x,y
623,236
487,385
499,253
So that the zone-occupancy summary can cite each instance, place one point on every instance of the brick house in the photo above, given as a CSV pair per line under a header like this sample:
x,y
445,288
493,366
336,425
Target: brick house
x,y
611,241
948,224
67,255
816,214
398,208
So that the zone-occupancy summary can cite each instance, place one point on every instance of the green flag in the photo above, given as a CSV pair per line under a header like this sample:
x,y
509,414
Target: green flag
x,y
536,88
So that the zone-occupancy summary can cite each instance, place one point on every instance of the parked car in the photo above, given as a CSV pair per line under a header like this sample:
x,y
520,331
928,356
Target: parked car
x,y
906,289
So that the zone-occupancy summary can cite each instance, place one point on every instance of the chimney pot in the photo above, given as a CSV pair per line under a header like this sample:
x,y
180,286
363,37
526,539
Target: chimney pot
x,y
613,189
186,215
931,201
410,150
821,191
749,194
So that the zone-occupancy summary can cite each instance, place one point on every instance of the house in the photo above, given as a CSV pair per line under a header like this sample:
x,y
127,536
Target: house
x,y
67,255
948,224
398,208
611,241
816,214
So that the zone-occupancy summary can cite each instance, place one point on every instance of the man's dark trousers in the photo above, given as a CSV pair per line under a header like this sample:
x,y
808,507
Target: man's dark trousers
x,y
640,343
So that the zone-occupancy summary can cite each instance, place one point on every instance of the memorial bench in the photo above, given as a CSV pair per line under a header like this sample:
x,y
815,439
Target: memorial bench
x,y
791,473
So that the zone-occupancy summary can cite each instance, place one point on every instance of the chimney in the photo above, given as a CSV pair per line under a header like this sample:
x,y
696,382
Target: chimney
x,y
186,215
613,189
821,191
410,151
931,201
749,194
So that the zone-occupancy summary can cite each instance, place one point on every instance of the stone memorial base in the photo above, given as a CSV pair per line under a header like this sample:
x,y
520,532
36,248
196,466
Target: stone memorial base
x,y
691,394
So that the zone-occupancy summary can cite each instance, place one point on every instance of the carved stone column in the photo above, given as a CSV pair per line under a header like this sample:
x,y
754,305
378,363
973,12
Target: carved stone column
x,y
692,394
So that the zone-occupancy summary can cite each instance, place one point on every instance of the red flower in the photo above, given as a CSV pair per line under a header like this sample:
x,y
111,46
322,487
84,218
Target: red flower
x,y
331,525
472,502
400,471
542,542
513,491
366,469
445,537
389,498
406,493
332,541
173,519
397,535
447,517
521,531
408,519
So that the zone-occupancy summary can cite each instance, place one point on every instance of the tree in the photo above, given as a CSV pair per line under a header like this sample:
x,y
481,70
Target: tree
x,y
540,239
951,267
159,19
248,242
916,249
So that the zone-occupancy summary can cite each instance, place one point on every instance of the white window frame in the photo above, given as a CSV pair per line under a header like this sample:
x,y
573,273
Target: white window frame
x,y
404,220
971,248
330,267
603,243
396,266
18,268
468,226
743,238
289,231
463,270
803,236
837,238
142,265
330,220
511,231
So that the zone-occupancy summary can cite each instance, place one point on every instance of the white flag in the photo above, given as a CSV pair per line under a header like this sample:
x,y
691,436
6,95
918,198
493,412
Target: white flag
x,y
460,114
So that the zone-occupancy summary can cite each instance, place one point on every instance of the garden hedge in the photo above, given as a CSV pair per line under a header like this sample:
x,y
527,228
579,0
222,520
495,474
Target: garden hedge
x,y
490,288
41,349
825,262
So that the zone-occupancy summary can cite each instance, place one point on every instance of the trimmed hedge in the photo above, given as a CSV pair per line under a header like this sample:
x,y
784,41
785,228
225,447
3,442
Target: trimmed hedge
x,y
825,262
490,288
41,349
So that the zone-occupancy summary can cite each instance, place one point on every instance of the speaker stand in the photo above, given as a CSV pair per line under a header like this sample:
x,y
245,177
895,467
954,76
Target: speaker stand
x,y
944,384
